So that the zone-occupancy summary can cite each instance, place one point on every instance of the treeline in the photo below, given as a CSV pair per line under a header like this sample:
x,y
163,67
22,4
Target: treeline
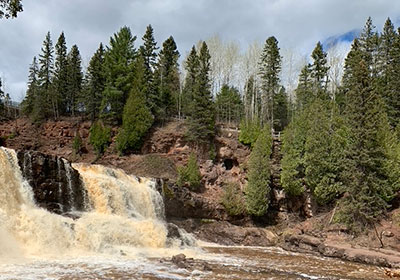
x,y
343,146
136,88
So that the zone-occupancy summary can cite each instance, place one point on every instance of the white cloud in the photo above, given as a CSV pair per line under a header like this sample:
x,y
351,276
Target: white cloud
x,y
296,24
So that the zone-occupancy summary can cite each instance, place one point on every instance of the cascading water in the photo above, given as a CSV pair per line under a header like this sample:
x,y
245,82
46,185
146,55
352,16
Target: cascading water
x,y
124,213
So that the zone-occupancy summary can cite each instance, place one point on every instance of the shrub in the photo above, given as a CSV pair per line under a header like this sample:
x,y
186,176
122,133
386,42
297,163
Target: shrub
x,y
249,132
257,191
100,137
232,199
190,174
77,144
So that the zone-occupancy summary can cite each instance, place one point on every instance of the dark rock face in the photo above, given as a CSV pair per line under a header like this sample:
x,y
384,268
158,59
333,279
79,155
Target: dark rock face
x,y
56,186
182,203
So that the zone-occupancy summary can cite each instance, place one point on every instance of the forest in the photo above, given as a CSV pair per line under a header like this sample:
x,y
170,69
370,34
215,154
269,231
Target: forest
x,y
341,139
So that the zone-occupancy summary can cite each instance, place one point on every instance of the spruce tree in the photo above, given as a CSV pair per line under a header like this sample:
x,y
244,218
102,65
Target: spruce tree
x,y
229,106
304,91
95,83
201,121
118,67
137,118
167,79
149,55
74,80
192,72
10,8
45,103
323,151
281,110
364,175
60,74
33,89
369,46
389,70
319,71
258,188
270,67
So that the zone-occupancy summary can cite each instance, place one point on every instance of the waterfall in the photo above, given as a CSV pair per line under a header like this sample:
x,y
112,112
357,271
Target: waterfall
x,y
122,213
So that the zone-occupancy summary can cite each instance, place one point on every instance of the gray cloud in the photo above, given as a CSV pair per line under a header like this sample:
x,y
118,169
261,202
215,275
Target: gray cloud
x,y
296,24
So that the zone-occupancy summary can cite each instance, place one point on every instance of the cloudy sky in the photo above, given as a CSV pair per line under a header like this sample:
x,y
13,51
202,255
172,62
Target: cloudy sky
x,y
296,24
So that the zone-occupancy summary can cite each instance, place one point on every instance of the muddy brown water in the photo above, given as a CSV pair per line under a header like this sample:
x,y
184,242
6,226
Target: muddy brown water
x,y
224,262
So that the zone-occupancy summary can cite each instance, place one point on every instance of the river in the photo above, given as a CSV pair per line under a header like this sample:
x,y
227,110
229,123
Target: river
x,y
122,234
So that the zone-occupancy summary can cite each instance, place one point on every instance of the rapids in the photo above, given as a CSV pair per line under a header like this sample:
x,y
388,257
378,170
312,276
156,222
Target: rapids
x,y
121,233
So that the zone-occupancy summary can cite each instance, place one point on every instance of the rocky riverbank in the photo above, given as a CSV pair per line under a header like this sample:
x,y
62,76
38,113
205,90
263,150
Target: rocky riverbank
x,y
292,223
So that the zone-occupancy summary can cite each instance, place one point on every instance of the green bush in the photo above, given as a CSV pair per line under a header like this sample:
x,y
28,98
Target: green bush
x,y
100,137
258,188
249,132
190,174
77,144
232,199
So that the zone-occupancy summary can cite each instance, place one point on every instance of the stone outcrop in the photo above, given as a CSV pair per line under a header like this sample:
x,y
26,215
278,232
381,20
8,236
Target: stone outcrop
x,y
305,243
56,186
225,233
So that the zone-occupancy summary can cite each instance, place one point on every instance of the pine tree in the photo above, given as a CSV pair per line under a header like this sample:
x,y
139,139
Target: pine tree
x,y
281,110
60,75
304,92
33,89
192,69
319,71
293,150
149,55
270,67
229,106
364,174
118,67
201,121
95,83
323,154
45,103
389,71
10,8
258,189
137,118
74,80
369,46
167,79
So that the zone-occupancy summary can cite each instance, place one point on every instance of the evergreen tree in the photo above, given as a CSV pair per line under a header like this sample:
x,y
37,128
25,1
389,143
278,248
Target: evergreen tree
x,y
45,103
369,46
258,189
229,106
293,150
281,110
167,79
201,121
192,69
10,8
364,172
323,154
149,55
95,83
60,75
137,118
389,71
304,92
118,67
319,71
33,89
270,67
190,175
74,80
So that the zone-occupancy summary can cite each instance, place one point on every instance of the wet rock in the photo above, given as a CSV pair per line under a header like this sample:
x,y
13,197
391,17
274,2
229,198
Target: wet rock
x,y
56,186
224,233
